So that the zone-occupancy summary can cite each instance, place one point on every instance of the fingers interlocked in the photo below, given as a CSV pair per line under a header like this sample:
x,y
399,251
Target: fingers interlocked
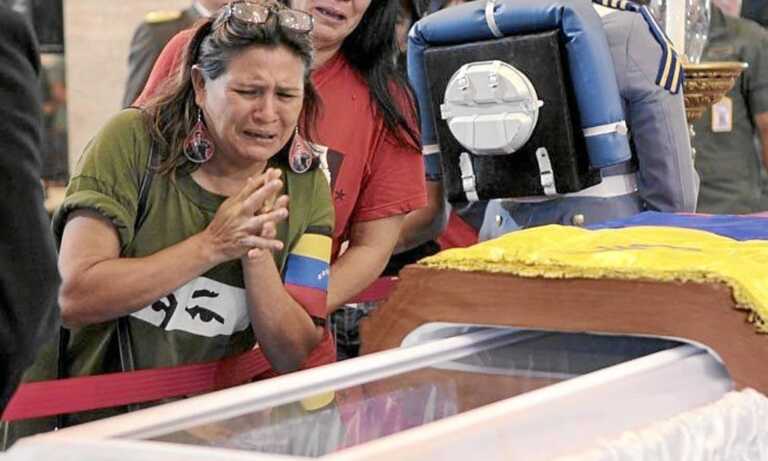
x,y
246,223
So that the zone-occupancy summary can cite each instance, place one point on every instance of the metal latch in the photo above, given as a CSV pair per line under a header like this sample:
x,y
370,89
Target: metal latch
x,y
468,178
546,174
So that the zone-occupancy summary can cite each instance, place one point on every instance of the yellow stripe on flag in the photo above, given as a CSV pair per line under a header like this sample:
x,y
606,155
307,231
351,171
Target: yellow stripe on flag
x,y
667,69
314,246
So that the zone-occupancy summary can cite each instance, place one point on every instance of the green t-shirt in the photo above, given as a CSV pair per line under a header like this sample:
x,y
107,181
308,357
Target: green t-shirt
x,y
206,319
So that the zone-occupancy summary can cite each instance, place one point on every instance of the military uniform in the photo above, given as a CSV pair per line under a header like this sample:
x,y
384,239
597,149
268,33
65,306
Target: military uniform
x,y
660,176
757,10
726,157
148,41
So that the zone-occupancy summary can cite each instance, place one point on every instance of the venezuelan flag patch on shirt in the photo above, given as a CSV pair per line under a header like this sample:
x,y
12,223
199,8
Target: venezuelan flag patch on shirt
x,y
307,270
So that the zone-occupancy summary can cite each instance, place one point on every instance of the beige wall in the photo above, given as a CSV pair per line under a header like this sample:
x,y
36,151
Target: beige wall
x,y
97,36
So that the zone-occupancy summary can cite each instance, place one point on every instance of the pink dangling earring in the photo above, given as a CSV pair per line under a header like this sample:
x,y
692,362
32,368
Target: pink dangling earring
x,y
198,148
300,157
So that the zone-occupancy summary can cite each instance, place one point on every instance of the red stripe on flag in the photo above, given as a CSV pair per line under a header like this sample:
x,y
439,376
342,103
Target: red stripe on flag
x,y
312,299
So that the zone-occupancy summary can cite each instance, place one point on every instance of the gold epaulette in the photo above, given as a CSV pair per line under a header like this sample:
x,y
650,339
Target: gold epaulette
x,y
154,17
670,75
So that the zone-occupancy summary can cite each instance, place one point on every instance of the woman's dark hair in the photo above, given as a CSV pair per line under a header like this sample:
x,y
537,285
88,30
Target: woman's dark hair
x,y
370,49
416,8
412,11
173,112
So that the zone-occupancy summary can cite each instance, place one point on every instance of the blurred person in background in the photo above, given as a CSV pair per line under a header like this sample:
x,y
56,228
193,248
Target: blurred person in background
x,y
153,34
435,5
28,276
55,157
410,12
726,157
421,227
756,10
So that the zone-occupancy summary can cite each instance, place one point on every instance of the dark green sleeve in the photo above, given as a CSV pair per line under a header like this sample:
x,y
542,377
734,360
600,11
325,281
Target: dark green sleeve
x,y
108,174
307,269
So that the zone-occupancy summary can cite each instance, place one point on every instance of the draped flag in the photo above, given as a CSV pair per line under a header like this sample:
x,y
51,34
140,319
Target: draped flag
x,y
651,246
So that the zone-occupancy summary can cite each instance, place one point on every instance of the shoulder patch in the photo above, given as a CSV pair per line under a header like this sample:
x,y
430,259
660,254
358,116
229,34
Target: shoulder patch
x,y
616,4
670,75
154,17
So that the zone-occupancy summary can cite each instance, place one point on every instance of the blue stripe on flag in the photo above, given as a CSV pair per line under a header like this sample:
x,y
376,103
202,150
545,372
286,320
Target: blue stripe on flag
x,y
308,272
737,227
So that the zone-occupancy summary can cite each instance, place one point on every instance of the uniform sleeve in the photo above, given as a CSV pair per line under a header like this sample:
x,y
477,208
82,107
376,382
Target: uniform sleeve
x,y
667,180
757,73
28,276
308,264
141,56
165,66
394,183
108,175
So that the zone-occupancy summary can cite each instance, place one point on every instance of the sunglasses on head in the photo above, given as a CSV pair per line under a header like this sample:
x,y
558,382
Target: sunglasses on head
x,y
257,13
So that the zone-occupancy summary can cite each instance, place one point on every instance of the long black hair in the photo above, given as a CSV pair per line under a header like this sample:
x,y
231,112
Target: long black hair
x,y
370,50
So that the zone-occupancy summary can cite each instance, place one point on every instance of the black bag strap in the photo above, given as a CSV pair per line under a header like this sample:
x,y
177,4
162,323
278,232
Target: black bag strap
x,y
153,164
124,342
61,367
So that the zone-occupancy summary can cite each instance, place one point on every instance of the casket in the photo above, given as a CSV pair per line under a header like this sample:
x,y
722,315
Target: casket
x,y
503,351
451,393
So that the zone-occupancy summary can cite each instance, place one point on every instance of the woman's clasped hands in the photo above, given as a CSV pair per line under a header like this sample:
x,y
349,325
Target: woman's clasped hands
x,y
246,223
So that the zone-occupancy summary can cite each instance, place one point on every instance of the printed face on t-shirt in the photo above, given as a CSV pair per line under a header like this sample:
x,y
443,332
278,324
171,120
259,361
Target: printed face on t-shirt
x,y
203,307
